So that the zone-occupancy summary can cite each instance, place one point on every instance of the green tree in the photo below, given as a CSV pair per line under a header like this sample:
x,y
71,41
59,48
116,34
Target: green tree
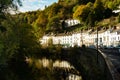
x,y
54,24
5,4
73,2
17,39
53,11
119,18
40,24
90,13
63,13
28,42
20,42
82,12
99,10
10,44
111,4
90,20
75,7
85,1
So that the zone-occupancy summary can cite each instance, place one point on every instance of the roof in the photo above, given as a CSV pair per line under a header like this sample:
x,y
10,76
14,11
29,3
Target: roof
x,y
116,11
116,30
118,26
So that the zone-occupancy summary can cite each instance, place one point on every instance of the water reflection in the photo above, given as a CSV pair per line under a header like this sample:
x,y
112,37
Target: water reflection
x,y
65,66
62,64
73,77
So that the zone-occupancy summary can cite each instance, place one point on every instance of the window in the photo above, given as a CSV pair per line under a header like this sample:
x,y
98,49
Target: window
x,y
108,38
100,39
104,38
118,38
114,38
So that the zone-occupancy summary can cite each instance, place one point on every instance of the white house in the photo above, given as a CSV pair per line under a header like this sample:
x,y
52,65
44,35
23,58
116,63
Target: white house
x,y
117,11
44,39
109,37
72,22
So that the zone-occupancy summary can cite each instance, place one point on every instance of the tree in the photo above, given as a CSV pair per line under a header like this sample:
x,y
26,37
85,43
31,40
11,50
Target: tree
x,y
63,25
119,18
28,42
40,24
9,43
5,4
107,13
17,39
90,13
41,20
74,2
90,21
99,10
62,13
54,24
53,11
111,4
85,1
75,7
7,49
82,12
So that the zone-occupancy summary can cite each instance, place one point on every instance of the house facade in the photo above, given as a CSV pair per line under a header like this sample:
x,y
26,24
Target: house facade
x,y
109,37
72,22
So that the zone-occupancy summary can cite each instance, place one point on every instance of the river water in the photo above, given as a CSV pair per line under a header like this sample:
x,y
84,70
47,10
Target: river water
x,y
72,73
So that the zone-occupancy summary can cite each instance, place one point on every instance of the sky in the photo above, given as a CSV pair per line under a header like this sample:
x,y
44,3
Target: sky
x,y
32,5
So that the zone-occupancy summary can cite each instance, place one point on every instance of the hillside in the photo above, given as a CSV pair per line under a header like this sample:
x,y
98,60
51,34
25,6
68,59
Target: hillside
x,y
90,13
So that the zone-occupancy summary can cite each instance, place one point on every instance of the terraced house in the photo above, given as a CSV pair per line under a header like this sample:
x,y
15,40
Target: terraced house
x,y
106,37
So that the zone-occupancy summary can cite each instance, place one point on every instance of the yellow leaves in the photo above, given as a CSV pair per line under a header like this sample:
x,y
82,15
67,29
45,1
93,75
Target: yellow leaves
x,y
41,20
98,5
82,12
79,11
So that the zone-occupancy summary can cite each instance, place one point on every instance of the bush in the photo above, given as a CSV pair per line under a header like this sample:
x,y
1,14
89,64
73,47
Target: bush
x,y
83,46
119,18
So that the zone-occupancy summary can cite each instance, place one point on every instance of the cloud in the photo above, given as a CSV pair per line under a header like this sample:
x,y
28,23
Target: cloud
x,y
31,5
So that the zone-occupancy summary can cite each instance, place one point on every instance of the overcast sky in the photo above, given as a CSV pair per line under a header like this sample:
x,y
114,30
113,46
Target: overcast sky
x,y
32,5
